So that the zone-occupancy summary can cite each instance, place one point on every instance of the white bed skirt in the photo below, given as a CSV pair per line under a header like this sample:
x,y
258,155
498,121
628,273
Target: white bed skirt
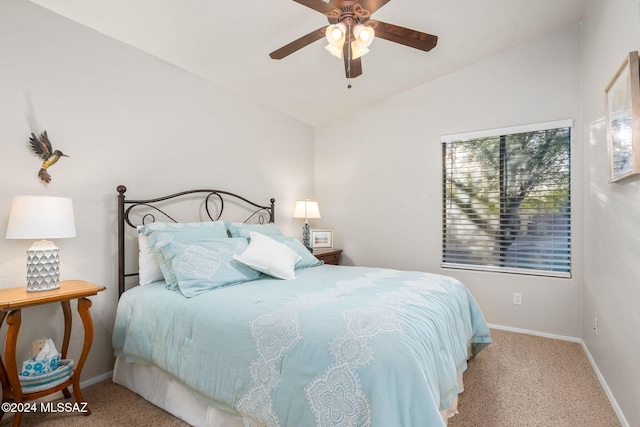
x,y
158,388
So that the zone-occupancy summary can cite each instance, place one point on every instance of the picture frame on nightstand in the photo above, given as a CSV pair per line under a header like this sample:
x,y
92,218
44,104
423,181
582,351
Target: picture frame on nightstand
x,y
321,238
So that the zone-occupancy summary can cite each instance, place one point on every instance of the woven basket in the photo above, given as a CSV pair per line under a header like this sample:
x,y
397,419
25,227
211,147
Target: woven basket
x,y
35,383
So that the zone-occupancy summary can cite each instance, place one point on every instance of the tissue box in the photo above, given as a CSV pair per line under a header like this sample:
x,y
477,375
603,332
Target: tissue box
x,y
31,367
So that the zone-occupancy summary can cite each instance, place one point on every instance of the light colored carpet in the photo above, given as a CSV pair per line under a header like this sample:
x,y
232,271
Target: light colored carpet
x,y
519,380
524,380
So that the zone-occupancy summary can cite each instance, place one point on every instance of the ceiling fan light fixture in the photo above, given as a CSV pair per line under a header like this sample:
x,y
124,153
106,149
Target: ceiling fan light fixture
x,y
334,50
351,31
363,35
335,34
357,51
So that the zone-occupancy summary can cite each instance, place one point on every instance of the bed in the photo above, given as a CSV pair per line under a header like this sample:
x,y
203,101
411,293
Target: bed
x,y
228,322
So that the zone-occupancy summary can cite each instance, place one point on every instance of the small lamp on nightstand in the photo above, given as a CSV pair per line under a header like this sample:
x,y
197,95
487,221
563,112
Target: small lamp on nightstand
x,y
41,217
306,209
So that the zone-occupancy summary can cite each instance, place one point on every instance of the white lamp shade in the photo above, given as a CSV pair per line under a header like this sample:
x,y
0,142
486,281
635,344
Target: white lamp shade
x,y
306,209
334,50
363,35
357,52
41,217
335,34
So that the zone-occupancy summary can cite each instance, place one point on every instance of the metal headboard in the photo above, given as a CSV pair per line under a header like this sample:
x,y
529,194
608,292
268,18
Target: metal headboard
x,y
209,198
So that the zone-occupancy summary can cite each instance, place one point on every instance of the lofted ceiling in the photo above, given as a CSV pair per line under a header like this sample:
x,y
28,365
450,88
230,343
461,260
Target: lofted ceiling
x,y
228,43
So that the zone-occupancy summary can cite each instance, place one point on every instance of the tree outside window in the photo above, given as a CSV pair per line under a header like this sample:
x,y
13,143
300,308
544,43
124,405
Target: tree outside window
x,y
507,202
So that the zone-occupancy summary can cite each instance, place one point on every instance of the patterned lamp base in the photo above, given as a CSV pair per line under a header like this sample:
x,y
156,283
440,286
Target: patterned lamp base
x,y
305,237
43,267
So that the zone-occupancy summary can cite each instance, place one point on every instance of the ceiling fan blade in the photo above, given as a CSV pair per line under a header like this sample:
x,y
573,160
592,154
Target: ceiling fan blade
x,y
318,5
298,44
356,67
405,36
373,5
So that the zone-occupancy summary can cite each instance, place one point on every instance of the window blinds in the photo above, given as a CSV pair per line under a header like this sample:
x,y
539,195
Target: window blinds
x,y
506,200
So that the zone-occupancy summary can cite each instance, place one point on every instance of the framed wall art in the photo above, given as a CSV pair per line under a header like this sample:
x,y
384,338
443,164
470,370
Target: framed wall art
x,y
622,116
322,238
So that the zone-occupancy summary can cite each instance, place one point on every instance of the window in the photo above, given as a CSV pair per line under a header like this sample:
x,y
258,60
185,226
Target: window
x,y
507,201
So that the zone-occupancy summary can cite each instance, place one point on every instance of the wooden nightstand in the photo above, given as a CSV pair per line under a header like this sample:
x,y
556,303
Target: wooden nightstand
x,y
12,301
329,256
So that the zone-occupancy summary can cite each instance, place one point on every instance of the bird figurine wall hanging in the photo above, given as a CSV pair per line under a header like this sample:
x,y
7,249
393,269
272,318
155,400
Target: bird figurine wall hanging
x,y
42,147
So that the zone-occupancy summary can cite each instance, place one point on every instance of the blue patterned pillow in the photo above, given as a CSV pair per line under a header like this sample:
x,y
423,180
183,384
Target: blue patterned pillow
x,y
203,266
160,232
239,229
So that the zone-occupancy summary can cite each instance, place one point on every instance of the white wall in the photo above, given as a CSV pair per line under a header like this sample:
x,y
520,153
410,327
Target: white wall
x,y
379,173
128,118
611,290
124,117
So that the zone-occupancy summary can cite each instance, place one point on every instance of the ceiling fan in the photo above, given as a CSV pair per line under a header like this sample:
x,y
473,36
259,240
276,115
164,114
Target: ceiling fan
x,y
351,31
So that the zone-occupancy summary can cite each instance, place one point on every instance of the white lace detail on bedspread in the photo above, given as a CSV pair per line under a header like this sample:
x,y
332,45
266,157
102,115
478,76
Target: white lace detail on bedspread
x,y
274,334
336,396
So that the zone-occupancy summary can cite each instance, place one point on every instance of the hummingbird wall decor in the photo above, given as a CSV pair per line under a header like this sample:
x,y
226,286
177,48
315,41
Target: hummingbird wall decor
x,y
42,147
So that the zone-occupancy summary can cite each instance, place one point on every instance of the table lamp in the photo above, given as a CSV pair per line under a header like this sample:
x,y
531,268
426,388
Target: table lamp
x,y
41,217
306,209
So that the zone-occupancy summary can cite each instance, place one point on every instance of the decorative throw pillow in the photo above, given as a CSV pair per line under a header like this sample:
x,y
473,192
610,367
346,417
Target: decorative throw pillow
x,y
269,257
202,266
239,229
148,268
160,232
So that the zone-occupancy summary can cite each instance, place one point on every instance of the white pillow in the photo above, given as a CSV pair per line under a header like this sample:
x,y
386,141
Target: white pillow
x,y
148,267
269,257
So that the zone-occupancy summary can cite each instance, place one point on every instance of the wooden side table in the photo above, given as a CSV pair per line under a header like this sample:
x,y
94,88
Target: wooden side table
x,y
329,256
12,301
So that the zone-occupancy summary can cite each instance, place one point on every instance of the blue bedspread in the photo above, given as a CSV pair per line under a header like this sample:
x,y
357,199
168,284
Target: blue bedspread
x,y
338,346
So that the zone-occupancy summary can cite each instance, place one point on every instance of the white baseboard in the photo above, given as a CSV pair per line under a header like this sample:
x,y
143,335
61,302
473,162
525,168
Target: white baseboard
x,y
95,380
603,383
536,333
606,388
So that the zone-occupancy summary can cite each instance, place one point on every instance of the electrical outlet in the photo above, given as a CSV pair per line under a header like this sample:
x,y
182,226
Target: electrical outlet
x,y
595,325
517,298
36,346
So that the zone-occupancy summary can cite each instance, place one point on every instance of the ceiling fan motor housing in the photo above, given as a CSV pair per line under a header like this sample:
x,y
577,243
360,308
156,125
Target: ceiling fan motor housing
x,y
349,12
